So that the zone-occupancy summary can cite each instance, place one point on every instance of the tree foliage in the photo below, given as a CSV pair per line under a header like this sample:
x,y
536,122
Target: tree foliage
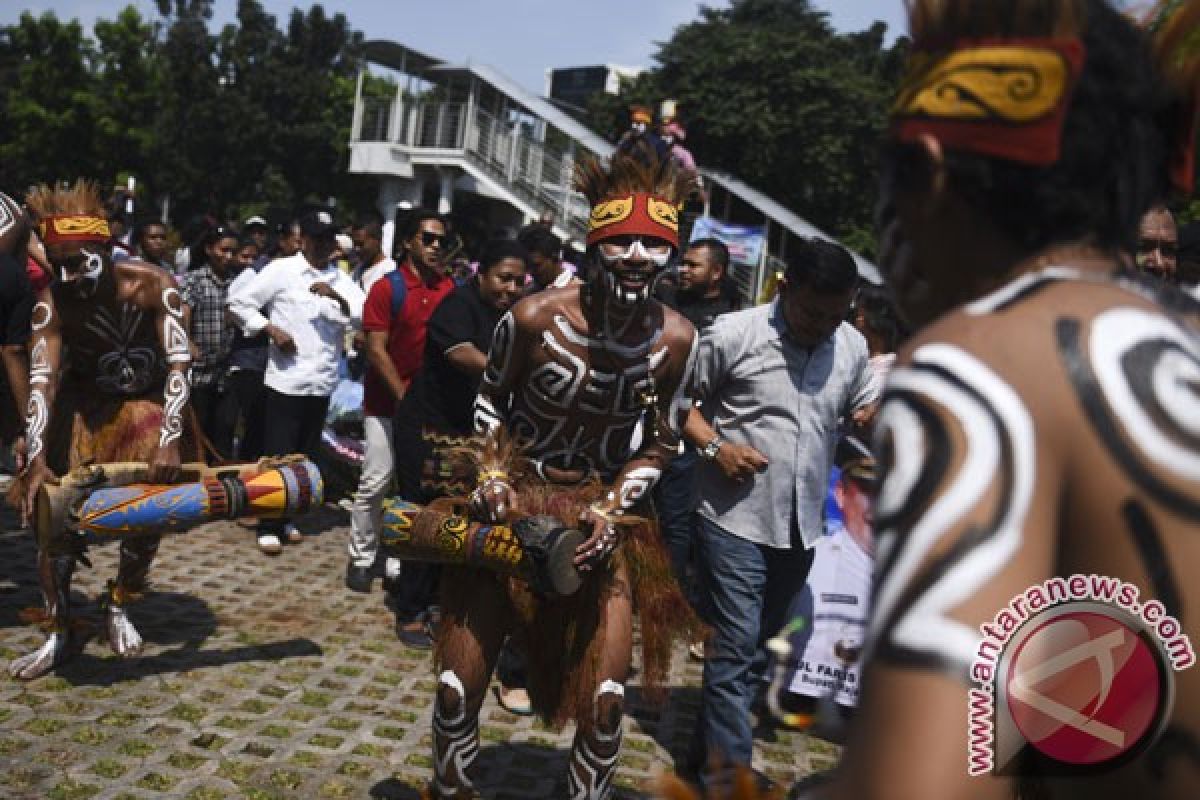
x,y
247,118
770,93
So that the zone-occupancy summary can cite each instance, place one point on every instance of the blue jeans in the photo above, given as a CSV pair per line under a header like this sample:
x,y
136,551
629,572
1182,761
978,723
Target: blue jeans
x,y
676,499
748,589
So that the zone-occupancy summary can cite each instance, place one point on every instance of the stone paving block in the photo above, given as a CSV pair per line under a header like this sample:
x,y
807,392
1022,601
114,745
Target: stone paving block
x,y
265,678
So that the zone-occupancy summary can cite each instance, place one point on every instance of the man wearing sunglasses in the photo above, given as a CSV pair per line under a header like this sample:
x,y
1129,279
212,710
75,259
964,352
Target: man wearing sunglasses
x,y
395,318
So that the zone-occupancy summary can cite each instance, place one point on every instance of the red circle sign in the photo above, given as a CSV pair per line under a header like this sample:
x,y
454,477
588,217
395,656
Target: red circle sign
x,y
1084,688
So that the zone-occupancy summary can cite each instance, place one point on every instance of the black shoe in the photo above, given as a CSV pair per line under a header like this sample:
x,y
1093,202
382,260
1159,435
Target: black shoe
x,y
415,632
358,579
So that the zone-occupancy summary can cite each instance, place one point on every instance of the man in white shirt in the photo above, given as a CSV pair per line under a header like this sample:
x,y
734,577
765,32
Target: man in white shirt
x,y
367,235
310,304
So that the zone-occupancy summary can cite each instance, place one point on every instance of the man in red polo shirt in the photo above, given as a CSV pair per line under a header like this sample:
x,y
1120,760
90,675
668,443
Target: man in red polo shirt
x,y
394,321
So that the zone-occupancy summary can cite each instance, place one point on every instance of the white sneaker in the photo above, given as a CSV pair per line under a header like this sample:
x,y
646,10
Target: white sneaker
x,y
292,534
269,543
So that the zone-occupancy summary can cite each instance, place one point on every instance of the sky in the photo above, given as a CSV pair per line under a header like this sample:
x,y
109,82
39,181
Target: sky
x,y
521,38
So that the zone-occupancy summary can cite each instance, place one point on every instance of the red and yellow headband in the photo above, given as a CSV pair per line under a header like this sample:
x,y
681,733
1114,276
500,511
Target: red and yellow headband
x,y
55,228
637,214
1003,98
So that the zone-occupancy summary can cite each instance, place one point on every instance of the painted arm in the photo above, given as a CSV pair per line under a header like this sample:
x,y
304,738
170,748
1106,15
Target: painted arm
x,y
45,364
494,497
967,521
171,323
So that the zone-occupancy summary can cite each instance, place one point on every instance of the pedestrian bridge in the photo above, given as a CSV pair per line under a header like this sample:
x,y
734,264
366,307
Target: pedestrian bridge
x,y
467,140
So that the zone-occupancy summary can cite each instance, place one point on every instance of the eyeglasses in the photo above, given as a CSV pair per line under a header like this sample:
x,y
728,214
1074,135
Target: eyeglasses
x,y
429,239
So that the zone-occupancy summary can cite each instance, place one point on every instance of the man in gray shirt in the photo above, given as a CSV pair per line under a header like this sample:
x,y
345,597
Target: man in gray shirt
x,y
771,384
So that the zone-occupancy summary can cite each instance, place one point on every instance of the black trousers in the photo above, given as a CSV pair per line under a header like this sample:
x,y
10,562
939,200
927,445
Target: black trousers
x,y
244,399
420,581
207,402
293,425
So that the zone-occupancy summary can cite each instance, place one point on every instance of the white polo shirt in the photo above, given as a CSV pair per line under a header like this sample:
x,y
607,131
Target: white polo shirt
x,y
317,324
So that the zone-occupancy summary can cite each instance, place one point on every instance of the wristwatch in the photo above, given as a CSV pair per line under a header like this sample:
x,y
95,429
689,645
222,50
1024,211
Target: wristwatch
x,y
710,450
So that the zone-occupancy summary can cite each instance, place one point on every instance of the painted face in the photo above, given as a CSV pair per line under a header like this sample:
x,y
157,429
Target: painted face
x,y
631,264
500,284
80,266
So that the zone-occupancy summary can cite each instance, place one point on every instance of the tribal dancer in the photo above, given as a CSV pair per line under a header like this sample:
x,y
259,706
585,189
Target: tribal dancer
x,y
119,395
574,374
1043,422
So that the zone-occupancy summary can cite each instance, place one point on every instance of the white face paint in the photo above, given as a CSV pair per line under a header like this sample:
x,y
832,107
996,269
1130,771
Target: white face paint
x,y
87,280
630,272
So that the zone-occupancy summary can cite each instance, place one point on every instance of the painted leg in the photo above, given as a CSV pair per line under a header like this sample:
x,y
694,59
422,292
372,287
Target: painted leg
x,y
136,557
468,648
597,745
54,577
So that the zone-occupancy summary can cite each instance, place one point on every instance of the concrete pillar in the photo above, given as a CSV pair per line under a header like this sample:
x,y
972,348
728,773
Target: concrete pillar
x,y
446,194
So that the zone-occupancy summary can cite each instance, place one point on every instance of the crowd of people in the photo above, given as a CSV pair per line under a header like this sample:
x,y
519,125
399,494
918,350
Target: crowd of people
x,y
733,473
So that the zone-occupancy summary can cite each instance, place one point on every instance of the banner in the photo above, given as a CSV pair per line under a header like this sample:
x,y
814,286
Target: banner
x,y
745,242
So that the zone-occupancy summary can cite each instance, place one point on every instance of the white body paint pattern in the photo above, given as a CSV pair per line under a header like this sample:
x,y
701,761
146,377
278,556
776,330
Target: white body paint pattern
x,y
590,773
9,211
175,397
37,412
175,337
999,449
177,390
124,365
455,742
1148,368
123,638
637,484
559,390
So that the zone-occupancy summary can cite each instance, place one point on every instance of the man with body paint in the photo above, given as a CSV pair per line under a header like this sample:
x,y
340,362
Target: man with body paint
x,y
590,379
1041,423
119,395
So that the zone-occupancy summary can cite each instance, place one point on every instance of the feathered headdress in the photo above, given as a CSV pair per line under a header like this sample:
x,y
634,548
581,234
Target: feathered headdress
x,y
637,194
70,214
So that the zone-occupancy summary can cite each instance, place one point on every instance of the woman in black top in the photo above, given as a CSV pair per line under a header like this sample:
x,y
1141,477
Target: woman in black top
x,y
440,402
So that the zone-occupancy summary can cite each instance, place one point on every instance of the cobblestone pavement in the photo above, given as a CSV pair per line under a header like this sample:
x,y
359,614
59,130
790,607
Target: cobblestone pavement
x,y
265,678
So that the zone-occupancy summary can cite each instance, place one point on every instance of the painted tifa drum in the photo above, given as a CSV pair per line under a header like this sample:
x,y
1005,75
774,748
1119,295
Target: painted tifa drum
x,y
141,509
539,550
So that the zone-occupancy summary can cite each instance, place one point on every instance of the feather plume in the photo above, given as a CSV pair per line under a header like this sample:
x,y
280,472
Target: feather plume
x,y
83,198
638,171
934,23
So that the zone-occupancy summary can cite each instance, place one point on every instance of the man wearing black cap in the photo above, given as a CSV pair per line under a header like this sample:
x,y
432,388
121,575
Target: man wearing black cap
x,y
309,304
256,228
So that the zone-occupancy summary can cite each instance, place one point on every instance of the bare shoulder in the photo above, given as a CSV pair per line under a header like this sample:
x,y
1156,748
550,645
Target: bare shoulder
x,y
145,285
678,331
534,313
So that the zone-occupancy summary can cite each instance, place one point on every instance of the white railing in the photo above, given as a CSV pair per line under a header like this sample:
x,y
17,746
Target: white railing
x,y
504,150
